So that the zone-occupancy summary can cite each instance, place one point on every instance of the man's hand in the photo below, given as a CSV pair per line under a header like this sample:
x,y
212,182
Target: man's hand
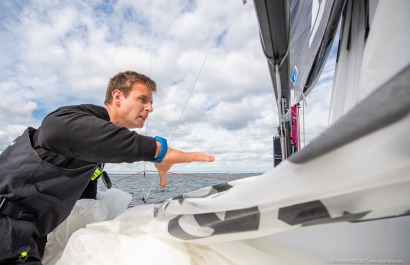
x,y
175,157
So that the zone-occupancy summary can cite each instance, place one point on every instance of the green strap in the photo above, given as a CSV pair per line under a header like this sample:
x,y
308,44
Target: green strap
x,y
97,173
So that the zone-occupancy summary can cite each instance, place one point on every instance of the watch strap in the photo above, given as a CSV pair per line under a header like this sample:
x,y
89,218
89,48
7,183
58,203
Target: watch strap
x,y
163,150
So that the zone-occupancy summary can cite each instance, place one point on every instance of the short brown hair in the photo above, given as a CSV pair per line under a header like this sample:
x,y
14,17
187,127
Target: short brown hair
x,y
124,81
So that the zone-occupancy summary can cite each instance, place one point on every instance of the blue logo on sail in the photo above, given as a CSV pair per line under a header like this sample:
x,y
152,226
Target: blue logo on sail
x,y
294,75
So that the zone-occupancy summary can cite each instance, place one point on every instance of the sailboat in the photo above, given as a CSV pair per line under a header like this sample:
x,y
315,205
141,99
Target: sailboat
x,y
342,199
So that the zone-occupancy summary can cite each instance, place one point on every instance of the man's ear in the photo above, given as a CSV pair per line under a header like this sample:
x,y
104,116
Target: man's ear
x,y
116,97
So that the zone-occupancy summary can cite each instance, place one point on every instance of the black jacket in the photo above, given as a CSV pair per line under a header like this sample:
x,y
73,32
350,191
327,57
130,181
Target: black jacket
x,y
45,171
73,136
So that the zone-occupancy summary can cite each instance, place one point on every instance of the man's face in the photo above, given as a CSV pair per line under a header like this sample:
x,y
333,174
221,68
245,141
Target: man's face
x,y
133,110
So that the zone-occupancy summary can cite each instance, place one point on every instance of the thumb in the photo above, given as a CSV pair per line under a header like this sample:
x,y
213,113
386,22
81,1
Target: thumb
x,y
163,168
162,179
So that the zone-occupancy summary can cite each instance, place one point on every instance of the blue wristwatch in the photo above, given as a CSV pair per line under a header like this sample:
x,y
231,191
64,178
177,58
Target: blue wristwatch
x,y
162,151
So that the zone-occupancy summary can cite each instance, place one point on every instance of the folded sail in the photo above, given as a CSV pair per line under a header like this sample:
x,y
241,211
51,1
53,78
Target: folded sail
x,y
296,38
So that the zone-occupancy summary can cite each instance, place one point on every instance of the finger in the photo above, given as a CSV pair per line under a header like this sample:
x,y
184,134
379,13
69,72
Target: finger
x,y
199,157
162,180
175,156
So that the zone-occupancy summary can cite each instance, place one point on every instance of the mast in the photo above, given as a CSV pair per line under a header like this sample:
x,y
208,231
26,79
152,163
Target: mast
x,y
296,38
274,23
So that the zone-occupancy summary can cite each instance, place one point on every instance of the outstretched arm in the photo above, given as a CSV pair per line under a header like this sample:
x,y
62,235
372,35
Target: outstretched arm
x,y
174,157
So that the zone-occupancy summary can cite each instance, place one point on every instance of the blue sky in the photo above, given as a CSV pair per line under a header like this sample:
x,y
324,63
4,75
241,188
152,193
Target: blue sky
x,y
63,53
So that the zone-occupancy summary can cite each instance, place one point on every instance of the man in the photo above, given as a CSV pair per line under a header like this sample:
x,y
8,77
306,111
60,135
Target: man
x,y
45,171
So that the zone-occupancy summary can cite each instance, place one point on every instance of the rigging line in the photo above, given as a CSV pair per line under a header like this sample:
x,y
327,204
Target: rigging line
x,y
282,116
152,36
192,89
304,130
298,126
144,199
146,133
150,72
202,66
281,110
121,179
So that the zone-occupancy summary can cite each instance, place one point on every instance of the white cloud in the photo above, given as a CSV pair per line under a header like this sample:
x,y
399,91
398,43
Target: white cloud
x,y
238,115
9,133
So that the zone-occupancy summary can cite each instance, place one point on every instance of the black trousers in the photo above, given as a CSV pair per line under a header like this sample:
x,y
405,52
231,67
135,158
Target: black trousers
x,y
90,192
19,242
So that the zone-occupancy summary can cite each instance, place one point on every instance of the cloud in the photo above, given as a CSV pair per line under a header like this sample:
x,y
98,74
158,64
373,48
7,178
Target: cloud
x,y
237,115
9,133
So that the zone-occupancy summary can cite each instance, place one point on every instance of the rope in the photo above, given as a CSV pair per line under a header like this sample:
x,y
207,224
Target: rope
x,y
221,19
304,130
124,178
150,73
152,36
192,89
226,177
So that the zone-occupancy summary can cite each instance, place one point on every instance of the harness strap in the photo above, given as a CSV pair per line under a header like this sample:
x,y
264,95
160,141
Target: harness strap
x,y
14,210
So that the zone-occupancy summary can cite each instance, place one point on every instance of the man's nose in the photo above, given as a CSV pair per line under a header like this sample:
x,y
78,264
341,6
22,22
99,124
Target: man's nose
x,y
148,107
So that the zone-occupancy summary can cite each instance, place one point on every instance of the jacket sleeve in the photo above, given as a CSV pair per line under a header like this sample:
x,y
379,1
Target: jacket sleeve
x,y
80,134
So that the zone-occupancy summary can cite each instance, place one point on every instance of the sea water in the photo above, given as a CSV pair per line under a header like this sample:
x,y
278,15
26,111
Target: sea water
x,y
146,187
